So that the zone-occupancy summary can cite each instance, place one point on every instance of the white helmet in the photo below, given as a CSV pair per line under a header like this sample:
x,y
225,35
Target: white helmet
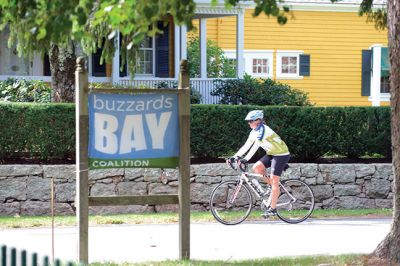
x,y
254,115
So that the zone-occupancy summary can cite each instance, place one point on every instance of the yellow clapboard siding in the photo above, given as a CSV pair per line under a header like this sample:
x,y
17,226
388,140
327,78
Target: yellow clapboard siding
x,y
334,40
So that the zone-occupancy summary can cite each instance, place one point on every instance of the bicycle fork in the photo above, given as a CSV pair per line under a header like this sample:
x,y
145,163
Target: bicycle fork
x,y
235,193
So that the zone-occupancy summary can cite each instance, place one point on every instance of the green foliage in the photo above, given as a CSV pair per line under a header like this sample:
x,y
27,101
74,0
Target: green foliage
x,y
374,14
13,90
309,132
35,25
48,130
34,130
218,66
250,90
195,96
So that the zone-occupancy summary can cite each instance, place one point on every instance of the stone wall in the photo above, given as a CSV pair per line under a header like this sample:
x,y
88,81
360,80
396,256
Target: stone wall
x,y
26,189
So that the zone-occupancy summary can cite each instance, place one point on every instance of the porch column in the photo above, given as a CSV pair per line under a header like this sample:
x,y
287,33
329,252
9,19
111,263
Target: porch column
x,y
115,61
203,48
376,75
240,43
37,65
177,49
183,42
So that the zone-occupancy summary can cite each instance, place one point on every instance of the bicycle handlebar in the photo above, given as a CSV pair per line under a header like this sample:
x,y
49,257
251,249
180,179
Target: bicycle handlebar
x,y
243,166
235,163
230,163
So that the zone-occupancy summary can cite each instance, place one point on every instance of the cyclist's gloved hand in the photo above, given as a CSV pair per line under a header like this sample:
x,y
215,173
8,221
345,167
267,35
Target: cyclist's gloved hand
x,y
232,159
243,161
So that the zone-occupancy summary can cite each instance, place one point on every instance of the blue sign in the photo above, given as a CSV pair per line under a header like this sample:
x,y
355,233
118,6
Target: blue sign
x,y
128,130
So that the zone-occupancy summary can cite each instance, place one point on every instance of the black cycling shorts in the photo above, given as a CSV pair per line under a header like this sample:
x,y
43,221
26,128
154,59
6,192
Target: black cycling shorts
x,y
276,162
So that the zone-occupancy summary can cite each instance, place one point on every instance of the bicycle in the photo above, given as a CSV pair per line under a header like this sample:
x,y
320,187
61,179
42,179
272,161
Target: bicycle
x,y
231,201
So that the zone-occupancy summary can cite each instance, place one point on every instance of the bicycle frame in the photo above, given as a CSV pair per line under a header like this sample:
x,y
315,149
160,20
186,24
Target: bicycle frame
x,y
244,177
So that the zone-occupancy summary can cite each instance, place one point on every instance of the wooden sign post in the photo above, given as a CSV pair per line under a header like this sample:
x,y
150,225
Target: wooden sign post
x,y
84,149
184,162
82,167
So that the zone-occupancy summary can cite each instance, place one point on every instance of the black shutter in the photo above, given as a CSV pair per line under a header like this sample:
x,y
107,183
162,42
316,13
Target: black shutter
x,y
97,69
46,65
162,52
304,65
123,72
366,72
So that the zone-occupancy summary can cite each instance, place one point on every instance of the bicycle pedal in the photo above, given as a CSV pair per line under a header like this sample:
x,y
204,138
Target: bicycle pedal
x,y
266,215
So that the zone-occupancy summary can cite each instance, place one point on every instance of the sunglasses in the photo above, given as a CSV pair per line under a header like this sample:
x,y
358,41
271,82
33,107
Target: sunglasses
x,y
251,121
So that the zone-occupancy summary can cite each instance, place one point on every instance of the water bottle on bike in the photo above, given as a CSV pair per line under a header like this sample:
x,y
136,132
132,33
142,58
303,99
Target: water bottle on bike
x,y
259,188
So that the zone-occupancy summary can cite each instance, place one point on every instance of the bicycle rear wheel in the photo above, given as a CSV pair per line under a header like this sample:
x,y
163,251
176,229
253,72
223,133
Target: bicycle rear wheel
x,y
296,201
231,202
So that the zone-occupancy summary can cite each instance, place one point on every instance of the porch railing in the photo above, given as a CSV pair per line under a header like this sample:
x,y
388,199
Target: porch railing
x,y
203,86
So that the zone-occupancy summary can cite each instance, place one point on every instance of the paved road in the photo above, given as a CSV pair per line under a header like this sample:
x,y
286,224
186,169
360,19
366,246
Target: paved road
x,y
209,241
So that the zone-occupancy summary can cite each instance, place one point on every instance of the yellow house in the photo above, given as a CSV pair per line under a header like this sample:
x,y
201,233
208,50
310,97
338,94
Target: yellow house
x,y
320,50
325,49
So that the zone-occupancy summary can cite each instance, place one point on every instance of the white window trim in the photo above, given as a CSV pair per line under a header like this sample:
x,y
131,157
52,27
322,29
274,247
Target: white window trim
x,y
376,95
230,54
138,75
383,97
291,53
249,55
259,54
153,49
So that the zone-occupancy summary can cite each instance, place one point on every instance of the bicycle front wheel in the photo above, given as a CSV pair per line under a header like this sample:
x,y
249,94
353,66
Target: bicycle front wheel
x,y
296,201
231,202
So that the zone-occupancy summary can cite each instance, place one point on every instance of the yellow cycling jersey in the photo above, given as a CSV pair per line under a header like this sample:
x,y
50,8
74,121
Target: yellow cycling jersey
x,y
264,137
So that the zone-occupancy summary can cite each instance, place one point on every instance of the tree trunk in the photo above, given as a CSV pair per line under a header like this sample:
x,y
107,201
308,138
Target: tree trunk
x,y
389,248
62,65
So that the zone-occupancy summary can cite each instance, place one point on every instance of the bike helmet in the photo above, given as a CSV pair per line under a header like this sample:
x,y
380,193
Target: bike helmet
x,y
254,115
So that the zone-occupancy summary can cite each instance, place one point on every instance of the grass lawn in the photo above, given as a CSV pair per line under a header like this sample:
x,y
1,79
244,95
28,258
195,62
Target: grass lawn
x,y
155,218
341,260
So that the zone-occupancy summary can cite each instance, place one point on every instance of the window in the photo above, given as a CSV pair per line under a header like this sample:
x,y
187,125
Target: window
x,y
229,70
231,62
97,69
288,64
260,66
144,63
46,65
144,59
385,85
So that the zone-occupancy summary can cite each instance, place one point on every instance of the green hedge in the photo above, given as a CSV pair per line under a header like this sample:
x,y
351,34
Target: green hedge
x,y
32,130
310,132
48,130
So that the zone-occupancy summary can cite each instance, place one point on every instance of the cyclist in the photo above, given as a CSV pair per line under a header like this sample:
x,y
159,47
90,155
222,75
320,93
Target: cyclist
x,y
277,155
